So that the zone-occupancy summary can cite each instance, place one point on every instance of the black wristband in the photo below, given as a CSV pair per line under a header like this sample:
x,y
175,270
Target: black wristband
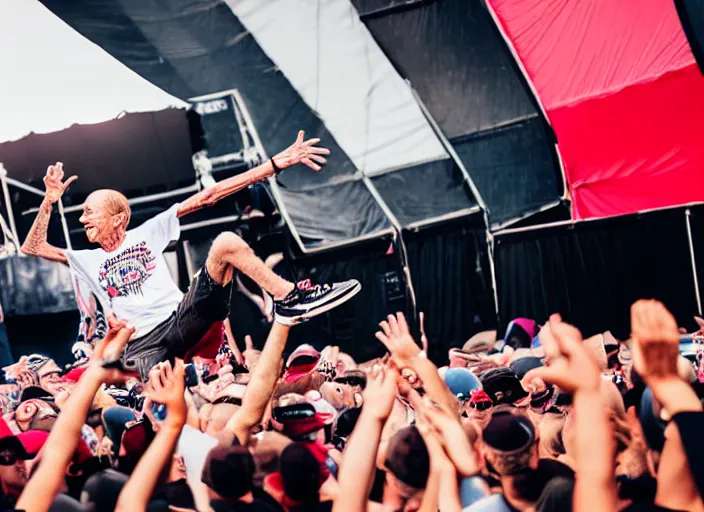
x,y
277,169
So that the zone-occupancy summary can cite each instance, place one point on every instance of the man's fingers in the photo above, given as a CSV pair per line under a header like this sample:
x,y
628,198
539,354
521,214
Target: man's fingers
x,y
382,338
308,162
311,142
301,135
393,324
248,343
402,323
319,151
385,327
317,158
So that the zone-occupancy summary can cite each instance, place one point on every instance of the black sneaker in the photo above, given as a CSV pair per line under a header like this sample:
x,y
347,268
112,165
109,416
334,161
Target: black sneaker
x,y
308,300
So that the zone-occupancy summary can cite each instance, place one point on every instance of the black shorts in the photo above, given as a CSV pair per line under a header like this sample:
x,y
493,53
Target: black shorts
x,y
205,303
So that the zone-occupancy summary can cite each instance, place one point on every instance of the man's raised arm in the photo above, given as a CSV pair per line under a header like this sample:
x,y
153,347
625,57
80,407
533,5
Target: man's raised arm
x,y
36,244
300,152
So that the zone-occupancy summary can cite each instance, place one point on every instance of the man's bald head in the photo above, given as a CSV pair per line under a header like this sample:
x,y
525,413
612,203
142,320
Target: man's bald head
x,y
114,202
106,214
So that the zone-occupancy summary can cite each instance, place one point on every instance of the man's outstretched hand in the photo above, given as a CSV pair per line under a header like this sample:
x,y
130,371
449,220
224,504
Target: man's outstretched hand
x,y
302,152
54,184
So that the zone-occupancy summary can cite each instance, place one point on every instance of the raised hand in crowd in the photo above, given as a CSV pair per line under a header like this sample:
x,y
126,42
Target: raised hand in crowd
x,y
451,436
655,347
441,490
358,463
572,368
166,386
60,446
396,337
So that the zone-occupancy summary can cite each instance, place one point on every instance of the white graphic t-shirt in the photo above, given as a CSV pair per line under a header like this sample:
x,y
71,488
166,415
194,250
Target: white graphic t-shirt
x,y
133,281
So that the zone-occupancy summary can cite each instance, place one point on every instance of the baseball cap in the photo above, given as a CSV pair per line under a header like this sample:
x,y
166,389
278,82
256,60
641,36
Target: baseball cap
x,y
407,458
519,334
301,362
461,382
300,473
508,432
503,386
480,342
33,441
300,419
9,441
229,471
102,490
523,365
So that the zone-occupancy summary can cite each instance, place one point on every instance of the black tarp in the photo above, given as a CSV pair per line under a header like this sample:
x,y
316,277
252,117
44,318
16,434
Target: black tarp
x,y
591,272
691,13
508,166
135,152
457,61
424,191
449,264
335,213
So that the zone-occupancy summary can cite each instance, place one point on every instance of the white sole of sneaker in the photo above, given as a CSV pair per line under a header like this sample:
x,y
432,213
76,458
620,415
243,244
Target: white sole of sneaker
x,y
319,311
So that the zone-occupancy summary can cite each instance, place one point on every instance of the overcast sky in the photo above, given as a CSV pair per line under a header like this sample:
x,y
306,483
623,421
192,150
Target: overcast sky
x,y
52,77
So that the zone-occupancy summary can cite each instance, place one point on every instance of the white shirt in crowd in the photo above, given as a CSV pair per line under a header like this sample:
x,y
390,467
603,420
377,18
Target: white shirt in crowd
x,y
133,281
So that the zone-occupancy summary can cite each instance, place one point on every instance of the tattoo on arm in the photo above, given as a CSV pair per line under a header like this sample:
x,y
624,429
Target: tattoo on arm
x,y
36,243
210,196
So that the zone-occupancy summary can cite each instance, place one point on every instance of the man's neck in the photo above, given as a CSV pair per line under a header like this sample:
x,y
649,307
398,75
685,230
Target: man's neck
x,y
114,242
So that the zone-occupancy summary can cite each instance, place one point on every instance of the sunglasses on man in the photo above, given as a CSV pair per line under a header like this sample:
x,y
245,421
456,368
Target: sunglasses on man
x,y
9,457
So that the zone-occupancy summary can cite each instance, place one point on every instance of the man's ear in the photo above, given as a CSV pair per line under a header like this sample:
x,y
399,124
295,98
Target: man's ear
x,y
119,220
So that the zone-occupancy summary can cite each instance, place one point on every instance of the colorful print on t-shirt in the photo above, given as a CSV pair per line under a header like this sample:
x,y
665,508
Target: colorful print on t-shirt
x,y
125,273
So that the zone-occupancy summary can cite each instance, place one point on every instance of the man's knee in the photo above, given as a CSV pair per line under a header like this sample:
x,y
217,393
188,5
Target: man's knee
x,y
228,244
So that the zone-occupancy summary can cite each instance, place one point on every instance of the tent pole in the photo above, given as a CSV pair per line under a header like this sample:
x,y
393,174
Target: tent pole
x,y
475,191
8,204
64,225
688,215
448,147
399,233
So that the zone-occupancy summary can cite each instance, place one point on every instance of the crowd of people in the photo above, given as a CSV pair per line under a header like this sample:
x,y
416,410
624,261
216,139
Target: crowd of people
x,y
541,420
164,410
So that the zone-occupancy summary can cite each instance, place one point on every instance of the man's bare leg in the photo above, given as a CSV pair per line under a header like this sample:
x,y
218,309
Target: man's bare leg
x,y
229,251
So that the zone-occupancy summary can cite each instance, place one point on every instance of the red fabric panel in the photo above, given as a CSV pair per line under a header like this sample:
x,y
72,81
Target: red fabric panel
x,y
574,50
637,149
623,94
